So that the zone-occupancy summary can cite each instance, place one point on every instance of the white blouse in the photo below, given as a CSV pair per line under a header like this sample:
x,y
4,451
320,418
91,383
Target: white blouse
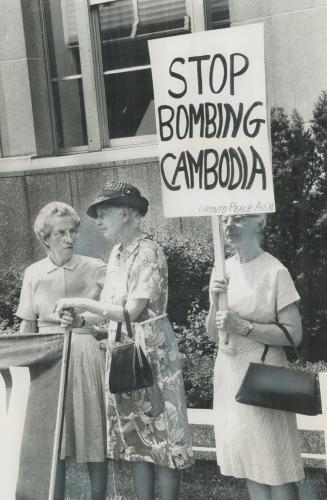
x,y
44,283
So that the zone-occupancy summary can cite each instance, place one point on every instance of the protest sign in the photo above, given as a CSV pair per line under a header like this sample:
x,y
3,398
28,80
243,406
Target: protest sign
x,y
211,117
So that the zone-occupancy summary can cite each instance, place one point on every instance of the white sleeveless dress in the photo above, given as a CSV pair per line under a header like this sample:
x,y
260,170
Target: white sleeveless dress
x,y
254,443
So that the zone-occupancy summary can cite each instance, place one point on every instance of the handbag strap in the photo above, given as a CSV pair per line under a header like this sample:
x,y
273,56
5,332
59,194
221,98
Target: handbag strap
x,y
125,312
289,338
264,354
128,326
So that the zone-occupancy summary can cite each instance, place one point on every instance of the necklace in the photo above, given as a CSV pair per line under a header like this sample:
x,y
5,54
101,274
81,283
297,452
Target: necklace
x,y
126,251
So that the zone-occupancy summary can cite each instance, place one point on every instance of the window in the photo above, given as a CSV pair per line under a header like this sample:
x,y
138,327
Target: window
x,y
100,67
66,79
125,28
217,14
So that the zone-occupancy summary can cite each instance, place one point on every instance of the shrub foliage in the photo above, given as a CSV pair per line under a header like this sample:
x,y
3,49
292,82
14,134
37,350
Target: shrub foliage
x,y
10,285
189,264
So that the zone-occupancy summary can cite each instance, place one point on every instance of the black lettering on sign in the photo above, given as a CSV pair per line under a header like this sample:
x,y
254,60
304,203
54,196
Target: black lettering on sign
x,y
209,120
230,169
178,76
224,73
198,60
256,121
243,62
212,75
257,168
165,123
163,175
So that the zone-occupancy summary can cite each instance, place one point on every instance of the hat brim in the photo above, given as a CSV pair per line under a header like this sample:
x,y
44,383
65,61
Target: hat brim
x,y
139,203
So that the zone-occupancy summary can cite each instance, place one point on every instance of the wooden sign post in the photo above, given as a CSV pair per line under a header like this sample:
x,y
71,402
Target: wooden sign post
x,y
220,267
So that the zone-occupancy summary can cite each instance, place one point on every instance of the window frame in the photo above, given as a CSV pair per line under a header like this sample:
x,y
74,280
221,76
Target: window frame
x,y
92,75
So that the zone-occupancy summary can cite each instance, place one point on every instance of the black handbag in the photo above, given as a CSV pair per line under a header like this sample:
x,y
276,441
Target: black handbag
x,y
280,388
129,368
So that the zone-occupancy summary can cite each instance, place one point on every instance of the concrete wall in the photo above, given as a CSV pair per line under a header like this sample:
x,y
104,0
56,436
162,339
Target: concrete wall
x,y
296,48
22,195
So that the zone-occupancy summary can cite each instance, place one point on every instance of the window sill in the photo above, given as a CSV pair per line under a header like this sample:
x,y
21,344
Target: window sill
x,y
20,164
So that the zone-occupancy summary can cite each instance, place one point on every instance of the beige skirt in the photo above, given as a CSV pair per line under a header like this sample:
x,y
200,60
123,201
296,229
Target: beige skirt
x,y
254,443
84,436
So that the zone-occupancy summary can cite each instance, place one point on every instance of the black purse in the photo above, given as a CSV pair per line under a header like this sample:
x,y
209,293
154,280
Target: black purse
x,y
129,368
280,388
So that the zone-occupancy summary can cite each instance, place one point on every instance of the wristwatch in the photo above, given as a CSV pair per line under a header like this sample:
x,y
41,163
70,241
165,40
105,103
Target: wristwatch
x,y
250,328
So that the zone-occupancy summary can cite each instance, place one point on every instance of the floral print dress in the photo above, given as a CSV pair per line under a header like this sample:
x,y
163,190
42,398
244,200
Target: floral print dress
x,y
149,424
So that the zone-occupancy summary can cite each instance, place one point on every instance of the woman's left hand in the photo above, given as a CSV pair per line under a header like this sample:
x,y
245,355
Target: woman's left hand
x,y
230,322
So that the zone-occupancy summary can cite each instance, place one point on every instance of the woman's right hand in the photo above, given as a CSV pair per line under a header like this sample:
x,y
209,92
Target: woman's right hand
x,y
216,287
70,319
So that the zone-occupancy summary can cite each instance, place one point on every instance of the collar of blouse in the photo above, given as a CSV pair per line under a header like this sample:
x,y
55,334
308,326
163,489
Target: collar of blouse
x,y
71,264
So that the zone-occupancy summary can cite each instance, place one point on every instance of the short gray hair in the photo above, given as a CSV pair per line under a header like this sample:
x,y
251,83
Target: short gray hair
x,y
43,226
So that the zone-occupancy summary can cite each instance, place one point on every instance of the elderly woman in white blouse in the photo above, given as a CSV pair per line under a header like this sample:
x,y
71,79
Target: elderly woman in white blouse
x,y
258,444
62,273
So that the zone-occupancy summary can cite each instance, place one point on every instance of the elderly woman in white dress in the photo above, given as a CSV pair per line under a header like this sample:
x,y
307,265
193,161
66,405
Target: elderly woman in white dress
x,y
258,444
60,274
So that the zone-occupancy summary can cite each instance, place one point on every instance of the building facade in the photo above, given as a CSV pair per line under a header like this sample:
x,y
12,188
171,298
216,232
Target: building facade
x,y
76,98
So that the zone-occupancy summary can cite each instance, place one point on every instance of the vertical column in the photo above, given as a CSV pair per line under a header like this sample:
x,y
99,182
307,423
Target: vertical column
x,y
16,117
38,75
25,126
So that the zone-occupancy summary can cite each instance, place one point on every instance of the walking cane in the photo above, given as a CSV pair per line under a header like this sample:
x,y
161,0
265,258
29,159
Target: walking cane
x,y
61,407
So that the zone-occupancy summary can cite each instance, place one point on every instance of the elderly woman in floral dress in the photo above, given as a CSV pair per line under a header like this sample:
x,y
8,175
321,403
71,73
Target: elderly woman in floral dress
x,y
147,427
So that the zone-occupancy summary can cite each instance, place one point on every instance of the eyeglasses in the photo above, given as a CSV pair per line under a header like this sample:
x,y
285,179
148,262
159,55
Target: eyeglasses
x,y
236,219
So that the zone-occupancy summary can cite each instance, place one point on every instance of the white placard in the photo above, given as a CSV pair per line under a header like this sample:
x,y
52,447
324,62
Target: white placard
x,y
211,117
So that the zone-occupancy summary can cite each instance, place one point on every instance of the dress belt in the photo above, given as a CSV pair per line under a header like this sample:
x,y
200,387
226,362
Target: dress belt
x,y
138,329
139,332
150,320
229,350
60,329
